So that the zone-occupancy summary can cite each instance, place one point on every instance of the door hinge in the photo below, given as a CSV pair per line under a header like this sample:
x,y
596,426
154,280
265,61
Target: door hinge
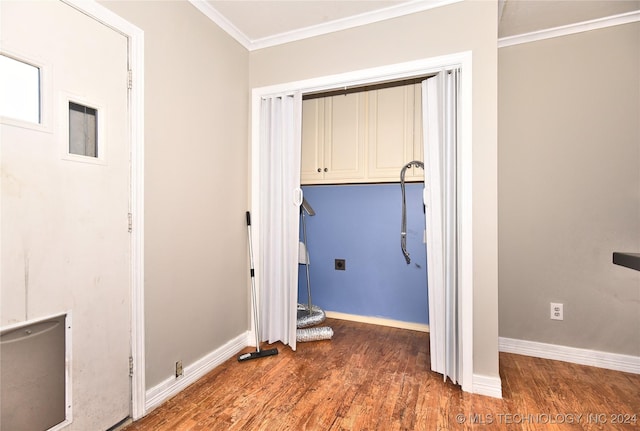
x,y
130,218
130,80
130,366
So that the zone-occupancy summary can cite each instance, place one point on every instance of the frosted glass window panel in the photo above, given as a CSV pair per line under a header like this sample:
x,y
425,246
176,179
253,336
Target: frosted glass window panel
x,y
83,130
19,90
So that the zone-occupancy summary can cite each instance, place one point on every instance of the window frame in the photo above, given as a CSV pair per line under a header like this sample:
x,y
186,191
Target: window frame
x,y
45,91
63,121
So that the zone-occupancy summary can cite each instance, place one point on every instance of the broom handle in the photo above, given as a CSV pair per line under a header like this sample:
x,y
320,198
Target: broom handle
x,y
253,285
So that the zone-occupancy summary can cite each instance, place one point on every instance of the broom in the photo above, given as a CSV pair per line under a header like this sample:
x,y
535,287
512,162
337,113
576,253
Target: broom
x,y
258,353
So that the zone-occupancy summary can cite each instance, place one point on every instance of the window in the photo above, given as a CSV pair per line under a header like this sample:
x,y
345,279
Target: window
x,y
83,130
80,128
19,90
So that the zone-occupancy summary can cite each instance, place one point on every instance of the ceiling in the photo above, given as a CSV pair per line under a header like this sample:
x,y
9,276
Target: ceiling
x,y
260,23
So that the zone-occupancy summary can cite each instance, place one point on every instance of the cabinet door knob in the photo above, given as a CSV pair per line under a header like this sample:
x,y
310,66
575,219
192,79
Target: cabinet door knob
x,y
326,169
319,170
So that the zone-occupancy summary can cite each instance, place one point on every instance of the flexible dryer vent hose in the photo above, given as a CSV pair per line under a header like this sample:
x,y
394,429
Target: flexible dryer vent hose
x,y
317,316
314,334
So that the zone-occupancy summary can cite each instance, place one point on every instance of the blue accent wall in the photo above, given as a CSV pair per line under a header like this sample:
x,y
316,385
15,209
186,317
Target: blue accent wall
x,y
361,224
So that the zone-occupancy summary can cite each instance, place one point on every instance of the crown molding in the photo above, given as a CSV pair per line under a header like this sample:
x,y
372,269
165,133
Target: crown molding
x,y
222,21
566,30
350,22
407,8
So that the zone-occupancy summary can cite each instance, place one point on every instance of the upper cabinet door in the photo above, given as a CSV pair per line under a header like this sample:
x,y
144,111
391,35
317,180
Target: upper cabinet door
x,y
345,137
312,160
417,174
391,123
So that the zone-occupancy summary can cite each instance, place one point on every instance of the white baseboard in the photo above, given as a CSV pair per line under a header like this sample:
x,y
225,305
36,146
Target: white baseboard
x,y
594,358
171,386
486,385
378,321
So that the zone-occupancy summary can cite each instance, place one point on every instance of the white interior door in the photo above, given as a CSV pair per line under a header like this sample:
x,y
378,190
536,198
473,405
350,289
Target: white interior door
x,y
65,245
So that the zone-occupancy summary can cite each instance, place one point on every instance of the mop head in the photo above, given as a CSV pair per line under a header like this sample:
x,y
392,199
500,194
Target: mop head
x,y
257,354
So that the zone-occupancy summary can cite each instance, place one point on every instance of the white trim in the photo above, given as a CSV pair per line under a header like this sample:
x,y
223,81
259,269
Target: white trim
x,y
383,14
349,22
173,385
356,78
487,385
68,382
136,106
135,38
68,375
381,321
465,217
389,73
212,13
566,30
593,358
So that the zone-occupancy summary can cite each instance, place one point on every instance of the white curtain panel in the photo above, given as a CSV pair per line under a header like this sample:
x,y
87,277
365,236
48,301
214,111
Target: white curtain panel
x,y
280,199
439,108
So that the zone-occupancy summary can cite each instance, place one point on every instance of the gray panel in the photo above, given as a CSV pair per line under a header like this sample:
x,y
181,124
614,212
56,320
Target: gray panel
x,y
32,367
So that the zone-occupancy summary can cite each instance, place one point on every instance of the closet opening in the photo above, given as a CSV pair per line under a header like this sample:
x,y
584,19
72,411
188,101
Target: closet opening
x,y
355,142
276,196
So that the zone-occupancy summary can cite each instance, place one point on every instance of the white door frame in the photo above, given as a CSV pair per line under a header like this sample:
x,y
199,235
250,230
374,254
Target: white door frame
x,y
390,73
135,37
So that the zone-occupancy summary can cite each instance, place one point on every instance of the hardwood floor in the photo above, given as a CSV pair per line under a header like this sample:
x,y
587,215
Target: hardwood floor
x,y
377,378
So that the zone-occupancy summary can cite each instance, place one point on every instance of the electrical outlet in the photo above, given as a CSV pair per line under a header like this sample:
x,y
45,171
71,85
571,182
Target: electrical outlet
x,y
179,370
557,312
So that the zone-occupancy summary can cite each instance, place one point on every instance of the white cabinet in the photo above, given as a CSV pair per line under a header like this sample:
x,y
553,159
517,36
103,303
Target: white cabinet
x,y
333,139
312,159
362,137
395,133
